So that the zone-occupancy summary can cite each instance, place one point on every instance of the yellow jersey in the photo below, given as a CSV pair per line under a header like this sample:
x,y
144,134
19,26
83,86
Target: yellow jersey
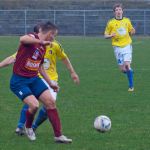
x,y
53,52
122,29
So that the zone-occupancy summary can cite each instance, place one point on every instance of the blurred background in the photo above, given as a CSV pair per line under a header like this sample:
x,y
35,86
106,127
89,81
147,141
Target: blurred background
x,y
80,17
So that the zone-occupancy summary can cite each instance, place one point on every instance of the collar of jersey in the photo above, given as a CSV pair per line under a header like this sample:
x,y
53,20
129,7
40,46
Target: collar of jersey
x,y
118,19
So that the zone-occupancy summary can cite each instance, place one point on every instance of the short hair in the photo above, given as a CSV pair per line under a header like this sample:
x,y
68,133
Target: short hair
x,y
45,27
37,27
117,5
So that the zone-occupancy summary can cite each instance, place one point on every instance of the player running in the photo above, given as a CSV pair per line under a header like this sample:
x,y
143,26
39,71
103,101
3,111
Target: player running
x,y
119,30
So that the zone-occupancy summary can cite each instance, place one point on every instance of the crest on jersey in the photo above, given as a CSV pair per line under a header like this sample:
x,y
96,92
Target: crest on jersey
x,y
46,63
121,31
35,54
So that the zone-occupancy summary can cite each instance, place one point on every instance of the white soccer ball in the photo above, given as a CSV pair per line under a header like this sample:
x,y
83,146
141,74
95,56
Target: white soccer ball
x,y
102,123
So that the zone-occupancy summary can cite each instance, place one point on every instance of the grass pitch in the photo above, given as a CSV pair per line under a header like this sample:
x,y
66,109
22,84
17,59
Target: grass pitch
x,y
102,91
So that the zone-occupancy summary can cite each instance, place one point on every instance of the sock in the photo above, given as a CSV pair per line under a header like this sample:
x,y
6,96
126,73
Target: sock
x,y
22,119
55,121
29,119
42,116
130,77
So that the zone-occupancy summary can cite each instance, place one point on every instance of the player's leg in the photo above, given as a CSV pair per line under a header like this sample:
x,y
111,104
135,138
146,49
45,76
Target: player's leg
x,y
42,115
43,94
20,86
20,127
129,76
33,104
122,69
126,69
29,94
49,102
124,58
47,99
127,66
119,58
25,94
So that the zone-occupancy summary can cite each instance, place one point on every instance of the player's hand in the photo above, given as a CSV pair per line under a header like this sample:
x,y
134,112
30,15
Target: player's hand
x,y
108,36
113,34
75,78
132,31
45,42
54,86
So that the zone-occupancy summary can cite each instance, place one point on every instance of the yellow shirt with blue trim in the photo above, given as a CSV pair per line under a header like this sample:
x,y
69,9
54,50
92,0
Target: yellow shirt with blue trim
x,y
122,29
53,52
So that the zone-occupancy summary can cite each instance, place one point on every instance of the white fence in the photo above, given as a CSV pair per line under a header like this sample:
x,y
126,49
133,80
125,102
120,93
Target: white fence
x,y
69,22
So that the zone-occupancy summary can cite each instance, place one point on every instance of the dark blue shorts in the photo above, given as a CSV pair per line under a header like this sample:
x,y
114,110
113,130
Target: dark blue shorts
x,y
25,86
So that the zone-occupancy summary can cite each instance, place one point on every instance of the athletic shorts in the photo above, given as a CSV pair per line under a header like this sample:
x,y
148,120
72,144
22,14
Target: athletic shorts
x,y
54,94
123,54
25,86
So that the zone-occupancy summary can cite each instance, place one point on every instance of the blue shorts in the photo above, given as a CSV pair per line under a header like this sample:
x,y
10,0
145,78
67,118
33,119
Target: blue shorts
x,y
25,86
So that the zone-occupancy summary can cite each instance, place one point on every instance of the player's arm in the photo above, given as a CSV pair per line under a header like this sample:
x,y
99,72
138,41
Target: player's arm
x,y
47,79
108,36
70,68
61,54
130,28
132,32
7,61
30,39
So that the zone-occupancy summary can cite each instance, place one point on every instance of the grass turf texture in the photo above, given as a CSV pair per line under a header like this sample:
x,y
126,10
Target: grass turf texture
x,y
103,91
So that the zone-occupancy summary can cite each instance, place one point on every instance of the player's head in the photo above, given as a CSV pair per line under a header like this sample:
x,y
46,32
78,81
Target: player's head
x,y
37,28
49,30
118,10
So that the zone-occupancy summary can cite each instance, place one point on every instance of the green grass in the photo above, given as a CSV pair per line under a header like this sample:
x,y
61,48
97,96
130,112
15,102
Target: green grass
x,y
103,90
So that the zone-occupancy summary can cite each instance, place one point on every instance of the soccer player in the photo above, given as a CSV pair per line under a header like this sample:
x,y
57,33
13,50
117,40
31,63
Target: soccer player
x,y
26,84
119,30
52,53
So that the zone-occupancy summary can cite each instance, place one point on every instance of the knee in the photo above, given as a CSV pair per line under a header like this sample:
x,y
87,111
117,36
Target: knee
x,y
50,104
127,67
34,106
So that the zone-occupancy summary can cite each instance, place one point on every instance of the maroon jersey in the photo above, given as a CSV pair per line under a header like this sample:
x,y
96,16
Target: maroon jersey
x,y
28,59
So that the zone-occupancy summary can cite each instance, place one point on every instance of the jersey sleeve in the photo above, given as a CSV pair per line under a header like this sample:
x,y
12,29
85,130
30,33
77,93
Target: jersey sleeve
x,y
108,28
130,27
60,52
